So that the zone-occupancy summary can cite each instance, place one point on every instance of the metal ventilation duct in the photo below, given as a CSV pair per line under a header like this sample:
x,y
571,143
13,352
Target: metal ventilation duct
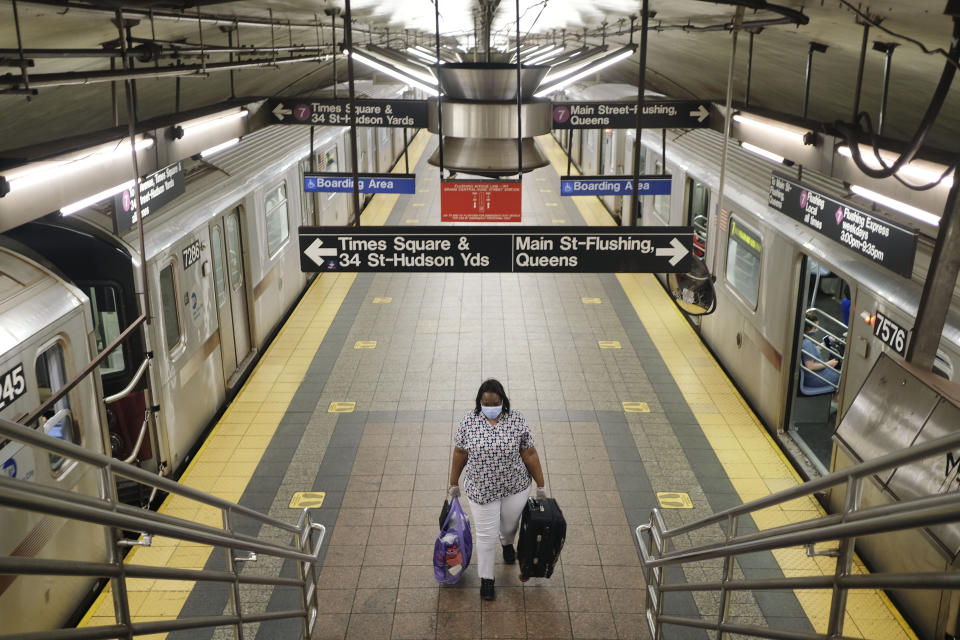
x,y
480,118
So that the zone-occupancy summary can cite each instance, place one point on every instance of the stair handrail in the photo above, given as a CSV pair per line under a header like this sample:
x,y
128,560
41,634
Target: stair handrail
x,y
845,525
107,511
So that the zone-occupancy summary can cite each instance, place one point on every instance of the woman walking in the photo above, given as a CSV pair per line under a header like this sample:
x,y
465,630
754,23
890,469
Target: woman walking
x,y
495,446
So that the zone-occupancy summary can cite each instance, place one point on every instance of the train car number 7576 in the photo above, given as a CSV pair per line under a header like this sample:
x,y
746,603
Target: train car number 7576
x,y
890,333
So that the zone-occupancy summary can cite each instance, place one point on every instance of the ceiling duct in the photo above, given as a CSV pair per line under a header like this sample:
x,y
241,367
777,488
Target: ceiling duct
x,y
480,118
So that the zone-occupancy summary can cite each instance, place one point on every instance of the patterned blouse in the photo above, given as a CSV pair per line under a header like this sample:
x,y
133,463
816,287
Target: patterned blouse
x,y
494,467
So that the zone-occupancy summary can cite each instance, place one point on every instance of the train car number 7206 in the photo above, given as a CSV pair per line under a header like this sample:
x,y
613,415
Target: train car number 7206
x,y
12,385
890,333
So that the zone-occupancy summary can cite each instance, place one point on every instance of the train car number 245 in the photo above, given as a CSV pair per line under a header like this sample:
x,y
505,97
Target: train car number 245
x,y
890,333
12,386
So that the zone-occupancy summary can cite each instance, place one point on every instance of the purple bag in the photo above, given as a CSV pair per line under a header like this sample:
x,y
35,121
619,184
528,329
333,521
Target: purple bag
x,y
454,546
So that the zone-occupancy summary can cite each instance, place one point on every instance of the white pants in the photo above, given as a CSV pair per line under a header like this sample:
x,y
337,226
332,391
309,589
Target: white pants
x,y
495,522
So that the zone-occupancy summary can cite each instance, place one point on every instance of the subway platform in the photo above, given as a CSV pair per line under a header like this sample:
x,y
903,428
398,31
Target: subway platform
x,y
358,398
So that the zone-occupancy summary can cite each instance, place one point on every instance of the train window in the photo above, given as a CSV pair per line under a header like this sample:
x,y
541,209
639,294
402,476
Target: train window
x,y
170,306
219,277
234,257
698,200
278,227
104,299
744,250
306,196
661,204
328,160
51,370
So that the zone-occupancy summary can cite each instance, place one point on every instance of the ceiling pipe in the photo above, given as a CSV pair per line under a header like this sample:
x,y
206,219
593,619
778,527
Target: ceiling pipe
x,y
43,80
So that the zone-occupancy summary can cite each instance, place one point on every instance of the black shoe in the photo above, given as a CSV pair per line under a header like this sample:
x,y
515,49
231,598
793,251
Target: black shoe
x,y
509,554
486,589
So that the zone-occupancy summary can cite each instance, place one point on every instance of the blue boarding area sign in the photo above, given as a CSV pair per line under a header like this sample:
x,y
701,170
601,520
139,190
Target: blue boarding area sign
x,y
404,183
614,185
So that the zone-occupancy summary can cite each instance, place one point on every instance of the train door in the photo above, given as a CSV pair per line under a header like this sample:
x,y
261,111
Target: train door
x,y
607,163
698,201
820,348
227,256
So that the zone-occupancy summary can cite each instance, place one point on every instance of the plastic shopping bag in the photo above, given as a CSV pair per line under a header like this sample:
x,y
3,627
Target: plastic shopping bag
x,y
454,546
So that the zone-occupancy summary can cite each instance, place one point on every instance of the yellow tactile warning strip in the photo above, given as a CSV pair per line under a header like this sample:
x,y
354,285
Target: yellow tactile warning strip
x,y
241,436
750,457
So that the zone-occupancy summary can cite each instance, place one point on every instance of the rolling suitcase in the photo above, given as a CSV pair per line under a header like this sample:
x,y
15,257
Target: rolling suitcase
x,y
542,532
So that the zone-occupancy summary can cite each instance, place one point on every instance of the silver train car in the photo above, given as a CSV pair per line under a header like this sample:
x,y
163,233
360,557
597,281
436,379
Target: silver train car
x,y
46,338
222,262
770,272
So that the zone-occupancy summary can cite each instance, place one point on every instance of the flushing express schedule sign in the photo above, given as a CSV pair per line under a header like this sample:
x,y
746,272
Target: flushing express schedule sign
x,y
156,190
480,201
884,242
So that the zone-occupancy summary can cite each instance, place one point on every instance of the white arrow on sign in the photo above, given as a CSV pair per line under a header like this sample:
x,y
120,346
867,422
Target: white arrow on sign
x,y
701,114
676,249
279,111
315,251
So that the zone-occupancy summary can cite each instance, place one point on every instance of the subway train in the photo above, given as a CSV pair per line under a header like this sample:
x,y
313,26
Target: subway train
x,y
223,267
783,294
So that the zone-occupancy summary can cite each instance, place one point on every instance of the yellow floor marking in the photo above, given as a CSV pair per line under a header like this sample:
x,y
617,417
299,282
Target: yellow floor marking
x,y
674,500
342,407
382,300
752,459
304,499
609,344
635,407
590,300
559,221
412,221
241,436
423,190
546,190
365,344
551,204
418,204
590,207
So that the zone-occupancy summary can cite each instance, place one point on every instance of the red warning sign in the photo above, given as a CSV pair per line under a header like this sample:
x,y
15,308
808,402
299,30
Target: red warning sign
x,y
482,201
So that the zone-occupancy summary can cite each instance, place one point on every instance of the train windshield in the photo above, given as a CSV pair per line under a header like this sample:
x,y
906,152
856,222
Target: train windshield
x,y
104,300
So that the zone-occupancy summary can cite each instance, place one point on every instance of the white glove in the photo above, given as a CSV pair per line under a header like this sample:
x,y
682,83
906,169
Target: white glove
x,y
541,492
454,491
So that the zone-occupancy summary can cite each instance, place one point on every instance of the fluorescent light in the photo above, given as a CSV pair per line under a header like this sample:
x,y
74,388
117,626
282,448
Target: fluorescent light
x,y
393,72
426,56
206,153
404,65
602,63
202,124
769,155
95,198
902,207
541,58
920,170
39,172
572,66
797,134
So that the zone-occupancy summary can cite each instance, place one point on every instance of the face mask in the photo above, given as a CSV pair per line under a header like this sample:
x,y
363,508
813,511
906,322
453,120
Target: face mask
x,y
491,412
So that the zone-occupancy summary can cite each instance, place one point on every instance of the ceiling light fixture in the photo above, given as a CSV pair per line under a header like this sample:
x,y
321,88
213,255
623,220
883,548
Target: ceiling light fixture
x,y
902,207
430,89
796,134
571,65
769,155
202,124
421,54
920,170
95,198
597,65
39,172
206,153
542,58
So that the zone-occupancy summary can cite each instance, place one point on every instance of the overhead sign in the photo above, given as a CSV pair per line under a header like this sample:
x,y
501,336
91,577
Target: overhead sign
x,y
480,249
156,190
369,183
615,185
884,242
480,201
687,114
370,113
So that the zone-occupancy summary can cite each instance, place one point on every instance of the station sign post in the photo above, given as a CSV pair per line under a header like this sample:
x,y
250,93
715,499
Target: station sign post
x,y
886,243
685,114
510,250
369,183
659,185
480,201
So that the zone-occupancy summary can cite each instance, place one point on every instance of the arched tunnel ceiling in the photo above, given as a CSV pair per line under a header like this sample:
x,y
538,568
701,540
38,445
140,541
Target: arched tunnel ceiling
x,y
681,63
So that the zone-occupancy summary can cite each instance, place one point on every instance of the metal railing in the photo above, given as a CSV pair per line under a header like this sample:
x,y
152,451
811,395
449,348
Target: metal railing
x,y
655,539
107,511
834,344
